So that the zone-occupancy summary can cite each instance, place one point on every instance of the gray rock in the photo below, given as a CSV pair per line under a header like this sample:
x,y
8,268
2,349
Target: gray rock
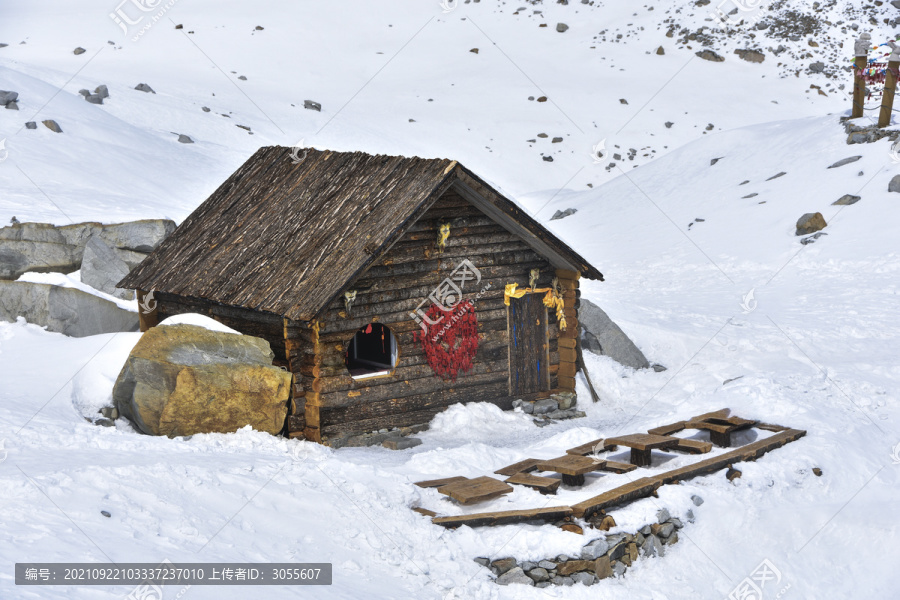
x,y
544,406
618,550
669,124
845,161
539,574
312,105
658,368
110,412
594,549
401,443
652,546
565,400
676,522
85,93
527,565
697,500
584,577
665,530
645,530
12,105
810,223
662,515
715,160
484,562
138,236
243,78
143,87
205,108
894,185
94,99
562,214
612,340
52,126
562,558
515,575
561,27
78,50
817,67
30,125
561,415
105,513
102,91
896,3
185,139
776,176
102,269
546,564
710,55
542,584
104,422
566,581
812,239
846,200
690,516
63,310
619,568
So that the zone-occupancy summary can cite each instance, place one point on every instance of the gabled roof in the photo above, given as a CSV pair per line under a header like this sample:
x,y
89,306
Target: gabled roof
x,y
288,238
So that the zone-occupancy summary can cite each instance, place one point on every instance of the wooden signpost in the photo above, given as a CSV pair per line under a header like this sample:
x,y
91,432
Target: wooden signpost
x,y
861,49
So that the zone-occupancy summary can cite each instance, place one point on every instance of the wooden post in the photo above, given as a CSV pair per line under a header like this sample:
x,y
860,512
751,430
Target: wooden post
x,y
148,315
861,50
890,85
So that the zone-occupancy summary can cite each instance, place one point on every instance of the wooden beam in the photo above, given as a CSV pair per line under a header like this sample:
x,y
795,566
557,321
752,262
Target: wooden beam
x,y
146,319
554,513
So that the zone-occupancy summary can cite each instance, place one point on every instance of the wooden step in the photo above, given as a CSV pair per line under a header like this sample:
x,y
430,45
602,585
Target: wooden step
x,y
693,446
475,490
667,429
551,514
614,466
591,448
523,466
545,485
433,483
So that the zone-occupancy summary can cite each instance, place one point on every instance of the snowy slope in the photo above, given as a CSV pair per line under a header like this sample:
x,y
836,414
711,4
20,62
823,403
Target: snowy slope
x,y
817,351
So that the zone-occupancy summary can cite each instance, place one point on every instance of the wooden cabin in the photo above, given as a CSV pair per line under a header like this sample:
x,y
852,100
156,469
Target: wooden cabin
x,y
390,287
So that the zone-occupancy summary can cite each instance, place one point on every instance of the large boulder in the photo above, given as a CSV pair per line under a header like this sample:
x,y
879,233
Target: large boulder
x,y
810,223
102,269
602,336
45,248
63,310
184,379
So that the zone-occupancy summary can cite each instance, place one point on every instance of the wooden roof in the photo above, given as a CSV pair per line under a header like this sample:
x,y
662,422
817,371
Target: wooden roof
x,y
288,238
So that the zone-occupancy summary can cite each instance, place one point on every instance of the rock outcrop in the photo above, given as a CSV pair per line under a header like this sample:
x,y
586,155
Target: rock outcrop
x,y
602,336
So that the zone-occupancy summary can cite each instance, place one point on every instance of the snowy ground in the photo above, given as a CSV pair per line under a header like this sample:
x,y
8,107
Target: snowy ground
x,y
810,330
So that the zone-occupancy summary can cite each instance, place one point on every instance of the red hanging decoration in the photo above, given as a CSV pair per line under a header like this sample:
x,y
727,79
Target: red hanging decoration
x,y
451,342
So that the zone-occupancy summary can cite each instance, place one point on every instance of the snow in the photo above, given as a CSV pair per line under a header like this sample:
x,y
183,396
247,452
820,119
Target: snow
x,y
811,332
198,320
73,280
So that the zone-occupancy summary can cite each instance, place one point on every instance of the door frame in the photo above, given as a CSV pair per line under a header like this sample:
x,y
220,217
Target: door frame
x,y
545,325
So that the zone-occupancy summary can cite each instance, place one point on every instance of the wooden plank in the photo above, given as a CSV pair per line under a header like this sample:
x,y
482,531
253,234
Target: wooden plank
x,y
570,464
667,429
592,447
554,513
545,485
692,446
645,486
643,441
433,483
523,466
424,511
475,490
615,466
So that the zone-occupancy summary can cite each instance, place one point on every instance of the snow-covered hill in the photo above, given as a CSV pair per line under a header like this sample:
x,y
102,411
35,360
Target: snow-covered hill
x,y
708,278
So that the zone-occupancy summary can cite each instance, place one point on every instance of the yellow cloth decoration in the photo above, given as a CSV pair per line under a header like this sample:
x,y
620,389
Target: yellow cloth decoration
x,y
443,234
551,300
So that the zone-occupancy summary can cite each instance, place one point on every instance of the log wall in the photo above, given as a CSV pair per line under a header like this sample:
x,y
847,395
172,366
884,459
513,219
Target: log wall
x,y
331,406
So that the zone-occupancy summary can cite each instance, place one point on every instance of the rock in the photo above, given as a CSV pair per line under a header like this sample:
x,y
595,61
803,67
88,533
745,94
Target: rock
x,y
242,77
311,105
710,55
542,584
102,269
484,562
810,223
573,566
84,93
539,574
561,27
110,412
138,236
515,575
561,558
611,340
544,406
731,474
527,565
602,568
52,126
36,247
63,310
845,161
143,87
185,139
102,91
894,185
652,546
565,400
618,550
105,514
556,140
846,200
618,569
817,471
776,176
645,530
594,549
658,368
623,101
565,414
12,105
546,564
30,125
547,158
185,379
542,99
817,67
566,581
690,516
79,50
663,530
697,500
584,577
715,160
401,443
754,56
502,565
562,214
94,99
662,515
676,522
660,51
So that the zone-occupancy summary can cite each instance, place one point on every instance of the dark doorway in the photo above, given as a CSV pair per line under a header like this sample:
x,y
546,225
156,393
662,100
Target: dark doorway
x,y
529,348
372,351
